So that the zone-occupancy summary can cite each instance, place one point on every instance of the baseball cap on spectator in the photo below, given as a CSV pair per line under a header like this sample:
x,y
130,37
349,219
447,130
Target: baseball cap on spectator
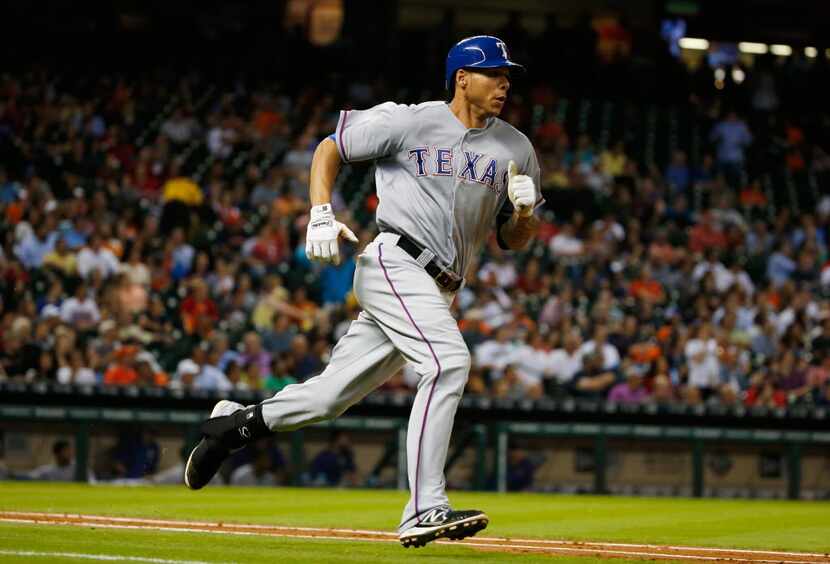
x,y
50,311
187,366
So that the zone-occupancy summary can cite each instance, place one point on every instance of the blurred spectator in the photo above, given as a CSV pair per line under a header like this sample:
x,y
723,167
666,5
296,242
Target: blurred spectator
x,y
263,465
63,467
678,175
81,311
731,136
599,344
702,358
136,454
334,465
593,380
521,470
632,390
495,354
36,245
510,385
566,361
210,377
280,374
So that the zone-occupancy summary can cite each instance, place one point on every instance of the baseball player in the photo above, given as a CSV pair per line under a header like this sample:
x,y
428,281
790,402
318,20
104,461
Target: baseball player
x,y
445,173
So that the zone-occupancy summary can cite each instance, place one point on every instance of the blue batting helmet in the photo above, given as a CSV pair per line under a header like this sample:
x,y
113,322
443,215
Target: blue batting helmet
x,y
479,52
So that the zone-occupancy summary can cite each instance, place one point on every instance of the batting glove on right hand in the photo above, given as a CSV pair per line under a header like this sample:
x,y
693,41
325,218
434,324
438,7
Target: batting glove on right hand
x,y
520,190
321,241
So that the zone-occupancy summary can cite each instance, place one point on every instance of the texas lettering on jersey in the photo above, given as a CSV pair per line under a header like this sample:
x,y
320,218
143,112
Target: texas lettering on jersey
x,y
477,167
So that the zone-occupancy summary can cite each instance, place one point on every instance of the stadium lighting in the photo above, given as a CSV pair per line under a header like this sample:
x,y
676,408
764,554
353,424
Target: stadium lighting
x,y
781,50
738,75
811,52
752,48
720,74
694,43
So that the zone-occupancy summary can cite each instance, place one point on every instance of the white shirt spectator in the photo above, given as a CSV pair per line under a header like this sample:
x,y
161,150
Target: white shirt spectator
x,y
704,366
504,272
76,312
495,356
610,354
53,473
66,375
220,141
137,273
179,129
532,365
723,277
211,378
566,245
564,365
245,476
103,260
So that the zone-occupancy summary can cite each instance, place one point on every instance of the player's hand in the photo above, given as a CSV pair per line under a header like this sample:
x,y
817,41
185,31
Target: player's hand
x,y
322,236
520,190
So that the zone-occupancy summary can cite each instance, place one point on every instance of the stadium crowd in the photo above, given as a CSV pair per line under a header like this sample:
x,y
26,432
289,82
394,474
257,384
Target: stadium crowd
x,y
152,235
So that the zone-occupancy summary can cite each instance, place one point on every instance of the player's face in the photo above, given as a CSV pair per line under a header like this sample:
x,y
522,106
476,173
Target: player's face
x,y
487,89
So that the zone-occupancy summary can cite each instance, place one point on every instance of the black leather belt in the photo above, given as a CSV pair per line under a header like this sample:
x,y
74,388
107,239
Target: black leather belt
x,y
445,278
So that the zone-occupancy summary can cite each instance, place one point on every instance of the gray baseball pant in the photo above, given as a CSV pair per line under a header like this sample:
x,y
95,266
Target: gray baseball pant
x,y
405,318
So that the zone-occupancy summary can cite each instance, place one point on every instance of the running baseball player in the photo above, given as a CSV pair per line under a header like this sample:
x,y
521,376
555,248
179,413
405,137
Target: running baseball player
x,y
445,173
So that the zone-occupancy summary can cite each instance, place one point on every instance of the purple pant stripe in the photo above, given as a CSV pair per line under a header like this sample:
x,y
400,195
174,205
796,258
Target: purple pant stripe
x,y
437,374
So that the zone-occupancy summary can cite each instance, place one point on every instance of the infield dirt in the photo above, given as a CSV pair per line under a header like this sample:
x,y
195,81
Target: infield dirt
x,y
493,544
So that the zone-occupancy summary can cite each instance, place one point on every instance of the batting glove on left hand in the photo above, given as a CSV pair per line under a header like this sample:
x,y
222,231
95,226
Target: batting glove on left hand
x,y
520,190
322,236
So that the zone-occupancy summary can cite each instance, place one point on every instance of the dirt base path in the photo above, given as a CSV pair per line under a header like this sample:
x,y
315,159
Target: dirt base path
x,y
536,546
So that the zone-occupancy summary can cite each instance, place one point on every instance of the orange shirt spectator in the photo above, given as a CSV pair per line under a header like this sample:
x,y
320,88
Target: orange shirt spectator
x,y
753,197
706,235
644,353
266,122
122,373
196,306
647,289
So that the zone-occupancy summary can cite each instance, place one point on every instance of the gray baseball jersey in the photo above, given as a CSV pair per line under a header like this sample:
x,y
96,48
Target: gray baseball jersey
x,y
442,185
438,182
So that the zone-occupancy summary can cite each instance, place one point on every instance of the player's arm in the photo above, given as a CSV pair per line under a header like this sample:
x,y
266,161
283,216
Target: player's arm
x,y
325,165
516,231
323,233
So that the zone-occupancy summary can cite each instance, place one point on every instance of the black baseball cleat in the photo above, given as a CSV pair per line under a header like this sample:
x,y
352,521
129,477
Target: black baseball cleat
x,y
444,523
230,427
203,463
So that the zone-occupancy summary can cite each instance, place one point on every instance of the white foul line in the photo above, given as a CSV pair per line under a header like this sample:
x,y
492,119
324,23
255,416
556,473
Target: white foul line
x,y
108,557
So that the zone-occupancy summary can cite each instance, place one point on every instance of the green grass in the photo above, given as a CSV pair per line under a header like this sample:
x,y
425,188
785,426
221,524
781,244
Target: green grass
x,y
220,548
774,525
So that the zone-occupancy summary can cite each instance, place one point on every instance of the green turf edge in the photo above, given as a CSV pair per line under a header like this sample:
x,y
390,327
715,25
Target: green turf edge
x,y
208,547
752,524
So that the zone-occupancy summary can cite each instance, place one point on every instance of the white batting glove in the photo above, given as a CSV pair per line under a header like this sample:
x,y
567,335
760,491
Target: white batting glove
x,y
321,240
520,190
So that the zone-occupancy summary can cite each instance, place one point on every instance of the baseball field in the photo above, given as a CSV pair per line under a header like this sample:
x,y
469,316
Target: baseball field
x,y
161,524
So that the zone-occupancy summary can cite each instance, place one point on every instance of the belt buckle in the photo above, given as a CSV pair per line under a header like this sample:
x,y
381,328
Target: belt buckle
x,y
448,280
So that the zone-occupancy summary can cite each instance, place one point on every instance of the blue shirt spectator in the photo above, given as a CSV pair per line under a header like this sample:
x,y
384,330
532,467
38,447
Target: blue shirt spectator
x,y
35,246
9,191
781,265
732,136
337,281
678,175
